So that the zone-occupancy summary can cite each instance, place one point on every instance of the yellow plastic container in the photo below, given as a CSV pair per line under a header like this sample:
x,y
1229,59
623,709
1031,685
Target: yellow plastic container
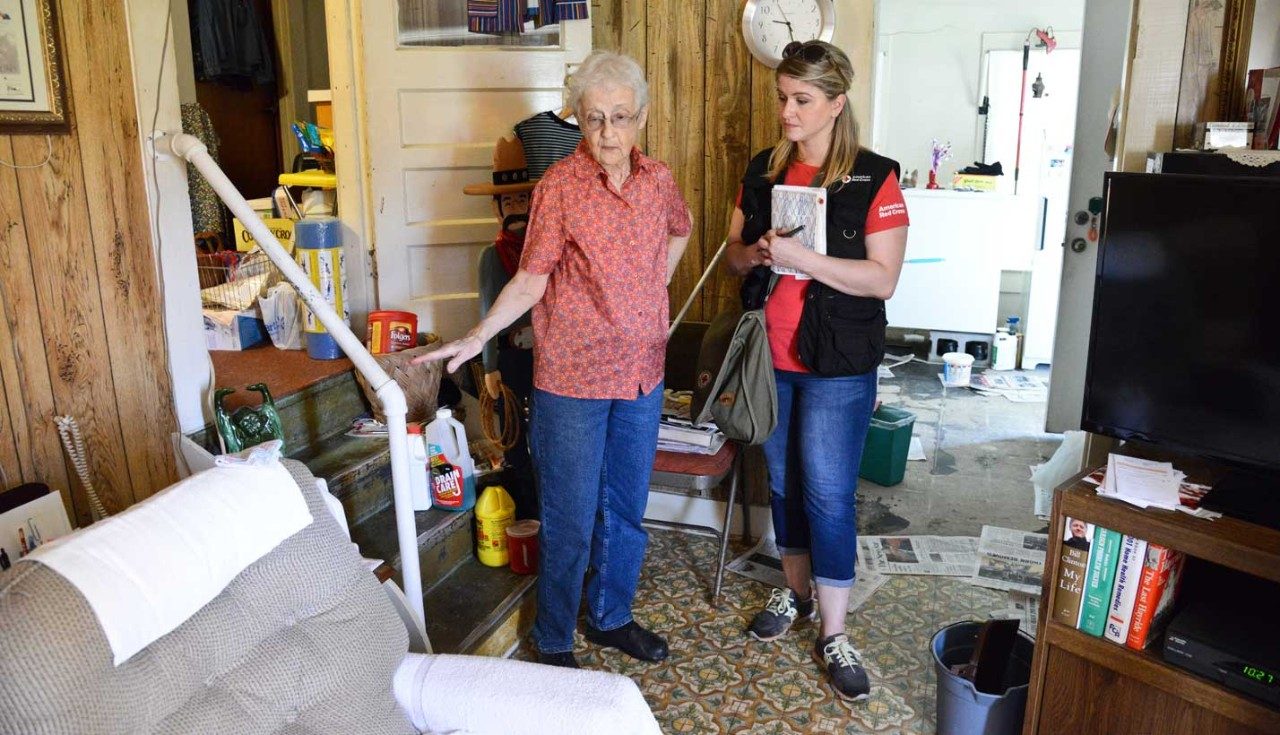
x,y
495,510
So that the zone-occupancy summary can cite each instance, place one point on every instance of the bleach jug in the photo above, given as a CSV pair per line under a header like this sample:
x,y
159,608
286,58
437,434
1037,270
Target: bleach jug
x,y
453,473
495,511
1004,356
419,469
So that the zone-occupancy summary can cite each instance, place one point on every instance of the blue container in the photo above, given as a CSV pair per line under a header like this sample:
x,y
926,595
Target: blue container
x,y
963,710
319,251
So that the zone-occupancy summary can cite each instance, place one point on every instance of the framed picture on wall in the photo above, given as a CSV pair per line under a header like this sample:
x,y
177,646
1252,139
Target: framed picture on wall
x,y
33,90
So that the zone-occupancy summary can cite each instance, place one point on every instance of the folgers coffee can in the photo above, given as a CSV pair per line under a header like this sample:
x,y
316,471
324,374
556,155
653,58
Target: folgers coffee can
x,y
392,331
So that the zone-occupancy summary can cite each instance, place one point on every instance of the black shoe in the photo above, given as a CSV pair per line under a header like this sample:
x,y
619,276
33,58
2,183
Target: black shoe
x,y
563,660
843,664
779,614
632,640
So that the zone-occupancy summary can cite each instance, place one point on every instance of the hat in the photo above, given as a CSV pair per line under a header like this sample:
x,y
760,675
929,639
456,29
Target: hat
x,y
510,172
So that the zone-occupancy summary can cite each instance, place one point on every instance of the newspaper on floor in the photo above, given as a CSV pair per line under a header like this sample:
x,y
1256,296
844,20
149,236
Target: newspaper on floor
x,y
1011,560
764,564
1015,386
948,556
1021,607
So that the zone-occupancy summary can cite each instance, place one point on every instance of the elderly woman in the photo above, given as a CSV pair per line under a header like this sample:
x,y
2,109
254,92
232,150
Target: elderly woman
x,y
606,229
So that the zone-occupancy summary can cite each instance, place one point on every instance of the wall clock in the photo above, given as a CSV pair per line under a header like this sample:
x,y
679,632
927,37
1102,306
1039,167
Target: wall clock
x,y
769,25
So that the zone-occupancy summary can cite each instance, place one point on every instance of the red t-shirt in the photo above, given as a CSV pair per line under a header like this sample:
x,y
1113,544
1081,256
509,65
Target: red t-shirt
x,y
783,310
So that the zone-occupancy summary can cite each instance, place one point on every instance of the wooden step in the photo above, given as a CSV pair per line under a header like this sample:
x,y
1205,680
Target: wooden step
x,y
358,471
479,610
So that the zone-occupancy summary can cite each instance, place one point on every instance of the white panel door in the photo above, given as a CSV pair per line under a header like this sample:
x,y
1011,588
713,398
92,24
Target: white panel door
x,y
433,114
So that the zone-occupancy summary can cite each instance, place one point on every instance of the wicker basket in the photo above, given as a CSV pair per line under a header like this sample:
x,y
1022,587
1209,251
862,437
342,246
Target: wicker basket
x,y
420,383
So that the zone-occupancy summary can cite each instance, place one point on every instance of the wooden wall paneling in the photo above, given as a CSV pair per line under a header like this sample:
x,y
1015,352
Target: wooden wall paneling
x,y
1199,90
9,463
23,361
97,38
606,25
54,204
766,129
676,69
728,137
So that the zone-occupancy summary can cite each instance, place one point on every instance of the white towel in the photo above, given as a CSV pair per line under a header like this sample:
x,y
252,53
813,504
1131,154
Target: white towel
x,y
148,569
476,695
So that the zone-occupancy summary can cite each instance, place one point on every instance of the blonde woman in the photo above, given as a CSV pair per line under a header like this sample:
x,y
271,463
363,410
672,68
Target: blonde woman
x,y
826,335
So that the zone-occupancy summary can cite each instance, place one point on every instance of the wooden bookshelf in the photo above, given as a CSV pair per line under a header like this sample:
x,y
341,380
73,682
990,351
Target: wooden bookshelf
x,y
1082,683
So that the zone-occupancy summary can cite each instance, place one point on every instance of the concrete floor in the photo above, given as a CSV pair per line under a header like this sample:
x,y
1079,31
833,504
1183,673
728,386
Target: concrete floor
x,y
979,476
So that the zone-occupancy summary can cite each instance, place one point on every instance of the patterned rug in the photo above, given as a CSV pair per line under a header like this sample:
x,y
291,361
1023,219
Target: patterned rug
x,y
718,680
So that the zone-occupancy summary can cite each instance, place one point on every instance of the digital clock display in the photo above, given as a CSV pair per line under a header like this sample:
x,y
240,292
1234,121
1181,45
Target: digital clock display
x,y
1262,676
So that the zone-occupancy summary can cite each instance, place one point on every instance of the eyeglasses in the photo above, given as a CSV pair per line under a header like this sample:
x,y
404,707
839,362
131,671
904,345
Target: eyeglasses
x,y
810,52
620,120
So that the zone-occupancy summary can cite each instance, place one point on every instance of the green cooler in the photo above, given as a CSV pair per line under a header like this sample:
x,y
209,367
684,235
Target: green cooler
x,y
884,458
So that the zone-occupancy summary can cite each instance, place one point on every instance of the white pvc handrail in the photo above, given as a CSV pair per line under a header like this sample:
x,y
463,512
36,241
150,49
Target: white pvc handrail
x,y
388,391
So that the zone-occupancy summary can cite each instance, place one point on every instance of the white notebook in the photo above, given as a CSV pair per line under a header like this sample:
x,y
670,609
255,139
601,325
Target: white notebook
x,y
793,206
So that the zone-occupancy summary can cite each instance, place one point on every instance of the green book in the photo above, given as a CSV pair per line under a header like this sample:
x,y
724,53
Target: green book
x,y
1100,576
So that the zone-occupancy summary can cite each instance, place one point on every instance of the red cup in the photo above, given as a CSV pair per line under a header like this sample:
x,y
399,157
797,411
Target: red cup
x,y
522,546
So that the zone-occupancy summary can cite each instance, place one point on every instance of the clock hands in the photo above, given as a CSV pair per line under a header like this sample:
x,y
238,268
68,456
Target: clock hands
x,y
786,21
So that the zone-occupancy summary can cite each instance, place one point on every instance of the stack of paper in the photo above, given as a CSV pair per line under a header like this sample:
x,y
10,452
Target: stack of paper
x,y
679,435
1142,482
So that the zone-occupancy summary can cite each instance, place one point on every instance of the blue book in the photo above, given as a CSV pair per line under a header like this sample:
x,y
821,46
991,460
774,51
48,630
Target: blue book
x,y
1100,577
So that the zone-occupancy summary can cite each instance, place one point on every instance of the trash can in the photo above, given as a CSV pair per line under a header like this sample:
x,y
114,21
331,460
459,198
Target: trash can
x,y
884,456
963,710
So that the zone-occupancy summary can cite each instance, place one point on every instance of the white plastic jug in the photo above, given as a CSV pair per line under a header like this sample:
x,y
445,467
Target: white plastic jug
x,y
1005,350
419,469
453,472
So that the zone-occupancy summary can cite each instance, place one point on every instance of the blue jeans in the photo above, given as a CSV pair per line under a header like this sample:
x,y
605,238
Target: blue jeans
x,y
593,459
813,458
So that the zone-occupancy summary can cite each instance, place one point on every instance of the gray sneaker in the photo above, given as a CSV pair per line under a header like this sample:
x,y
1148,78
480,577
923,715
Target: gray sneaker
x,y
843,664
779,614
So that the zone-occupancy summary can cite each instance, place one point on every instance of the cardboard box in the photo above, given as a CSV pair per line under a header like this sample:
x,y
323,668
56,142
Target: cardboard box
x,y
280,227
31,507
974,182
229,330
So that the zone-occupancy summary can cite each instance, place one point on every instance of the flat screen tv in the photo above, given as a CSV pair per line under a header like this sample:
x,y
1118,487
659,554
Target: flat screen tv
x,y
1185,347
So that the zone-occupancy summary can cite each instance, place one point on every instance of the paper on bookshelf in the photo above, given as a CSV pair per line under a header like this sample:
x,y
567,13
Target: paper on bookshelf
x,y
794,206
1142,482
1189,495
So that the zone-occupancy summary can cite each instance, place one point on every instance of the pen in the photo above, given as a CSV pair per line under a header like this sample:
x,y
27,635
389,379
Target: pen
x,y
792,233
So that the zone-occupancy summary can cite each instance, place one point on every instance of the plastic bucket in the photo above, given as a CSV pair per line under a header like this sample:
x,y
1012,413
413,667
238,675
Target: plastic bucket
x,y
956,369
963,710
884,454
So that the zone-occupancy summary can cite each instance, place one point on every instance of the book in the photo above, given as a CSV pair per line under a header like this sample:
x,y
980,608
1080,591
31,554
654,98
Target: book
x,y
1156,591
1076,541
680,431
1125,591
1099,579
795,206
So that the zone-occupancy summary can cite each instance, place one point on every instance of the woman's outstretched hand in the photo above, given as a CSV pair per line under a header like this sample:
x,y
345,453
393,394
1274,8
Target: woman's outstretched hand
x,y
459,350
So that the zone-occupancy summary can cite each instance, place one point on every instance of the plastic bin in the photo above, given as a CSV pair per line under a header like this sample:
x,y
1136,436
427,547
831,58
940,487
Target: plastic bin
x,y
963,710
884,456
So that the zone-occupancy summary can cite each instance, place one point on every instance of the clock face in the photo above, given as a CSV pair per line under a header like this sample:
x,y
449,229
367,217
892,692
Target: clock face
x,y
769,25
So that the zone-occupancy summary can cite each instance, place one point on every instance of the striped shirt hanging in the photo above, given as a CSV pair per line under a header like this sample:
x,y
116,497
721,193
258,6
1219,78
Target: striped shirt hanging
x,y
554,11
495,16
546,139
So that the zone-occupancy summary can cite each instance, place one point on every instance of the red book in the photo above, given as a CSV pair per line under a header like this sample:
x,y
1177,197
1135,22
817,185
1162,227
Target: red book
x,y
1156,588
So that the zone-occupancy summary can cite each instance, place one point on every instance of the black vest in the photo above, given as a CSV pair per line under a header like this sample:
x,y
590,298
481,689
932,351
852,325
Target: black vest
x,y
839,334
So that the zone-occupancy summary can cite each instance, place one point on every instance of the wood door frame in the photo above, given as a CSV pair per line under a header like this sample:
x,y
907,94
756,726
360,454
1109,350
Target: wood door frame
x,y
344,19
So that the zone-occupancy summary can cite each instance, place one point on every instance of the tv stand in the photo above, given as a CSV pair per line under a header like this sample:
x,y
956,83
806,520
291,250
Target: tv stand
x,y
1248,496
1085,684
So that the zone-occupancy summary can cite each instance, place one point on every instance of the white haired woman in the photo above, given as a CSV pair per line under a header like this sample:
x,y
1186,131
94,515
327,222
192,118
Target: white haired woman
x,y
606,229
